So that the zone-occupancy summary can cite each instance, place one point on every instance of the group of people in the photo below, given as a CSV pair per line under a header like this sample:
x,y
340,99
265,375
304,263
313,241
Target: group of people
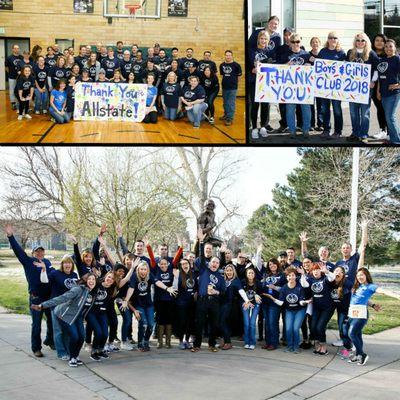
x,y
189,296
176,86
265,46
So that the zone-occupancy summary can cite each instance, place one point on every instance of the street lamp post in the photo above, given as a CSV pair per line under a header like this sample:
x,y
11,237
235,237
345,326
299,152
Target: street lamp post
x,y
354,197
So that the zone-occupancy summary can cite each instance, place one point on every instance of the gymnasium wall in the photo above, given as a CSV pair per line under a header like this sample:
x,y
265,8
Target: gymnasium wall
x,y
210,25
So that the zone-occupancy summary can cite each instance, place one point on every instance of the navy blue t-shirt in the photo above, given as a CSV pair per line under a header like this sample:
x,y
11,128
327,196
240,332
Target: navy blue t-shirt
x,y
12,62
110,65
207,277
56,74
336,55
276,280
350,268
25,84
300,58
171,92
126,68
185,294
230,73
274,42
291,297
142,291
389,74
210,85
232,288
61,282
320,291
167,278
205,63
50,61
251,291
40,75
185,63
190,94
70,99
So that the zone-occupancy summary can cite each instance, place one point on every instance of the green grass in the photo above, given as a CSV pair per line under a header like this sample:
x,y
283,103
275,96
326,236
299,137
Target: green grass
x,y
387,318
14,296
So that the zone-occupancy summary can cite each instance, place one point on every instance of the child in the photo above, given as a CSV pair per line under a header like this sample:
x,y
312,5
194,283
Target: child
x,y
24,91
71,97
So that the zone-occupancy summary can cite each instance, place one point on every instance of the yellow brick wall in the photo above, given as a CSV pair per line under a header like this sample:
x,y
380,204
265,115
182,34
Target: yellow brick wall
x,y
220,26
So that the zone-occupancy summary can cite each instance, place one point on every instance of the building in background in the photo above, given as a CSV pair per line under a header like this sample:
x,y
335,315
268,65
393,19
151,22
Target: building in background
x,y
319,17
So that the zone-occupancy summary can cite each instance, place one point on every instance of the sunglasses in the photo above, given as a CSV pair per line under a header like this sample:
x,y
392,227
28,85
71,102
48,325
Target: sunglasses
x,y
361,40
295,41
332,38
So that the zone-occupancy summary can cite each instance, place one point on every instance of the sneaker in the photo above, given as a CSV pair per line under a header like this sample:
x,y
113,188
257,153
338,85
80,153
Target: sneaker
x,y
64,358
325,135
44,112
288,350
281,129
254,133
195,349
323,353
95,357
211,120
246,346
189,345
117,340
107,348
27,116
223,118
38,354
354,359
263,132
252,347
196,126
338,343
20,117
228,122
37,112
336,135
363,360
344,354
73,363
269,128
319,129
132,341
112,348
78,361
126,346
381,135
182,346
212,349
104,355
296,351
88,347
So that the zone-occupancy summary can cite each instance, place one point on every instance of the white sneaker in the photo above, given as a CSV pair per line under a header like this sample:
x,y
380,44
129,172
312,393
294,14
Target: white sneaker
x,y
126,346
246,346
112,348
37,112
64,358
338,343
252,347
20,117
27,116
107,348
254,133
381,135
263,132
44,111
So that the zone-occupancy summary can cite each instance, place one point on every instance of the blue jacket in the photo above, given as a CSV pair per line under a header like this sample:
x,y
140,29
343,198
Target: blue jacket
x,y
32,272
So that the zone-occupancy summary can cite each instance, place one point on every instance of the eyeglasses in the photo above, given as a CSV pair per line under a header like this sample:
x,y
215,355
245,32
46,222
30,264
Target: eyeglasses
x,y
332,38
361,40
295,41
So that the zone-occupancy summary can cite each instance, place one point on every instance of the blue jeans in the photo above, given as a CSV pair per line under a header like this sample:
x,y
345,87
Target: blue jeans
x,y
146,324
294,320
360,116
319,321
224,321
41,100
271,316
391,105
99,323
291,117
170,113
195,114
249,324
354,328
76,334
126,324
36,328
11,87
60,119
337,114
229,97
60,336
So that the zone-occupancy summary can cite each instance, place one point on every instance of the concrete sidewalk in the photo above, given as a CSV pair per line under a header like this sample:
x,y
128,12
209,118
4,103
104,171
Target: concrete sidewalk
x,y
176,374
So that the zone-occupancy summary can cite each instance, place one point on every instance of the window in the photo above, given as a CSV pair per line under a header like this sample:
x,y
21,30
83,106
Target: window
x,y
288,13
261,12
132,8
64,43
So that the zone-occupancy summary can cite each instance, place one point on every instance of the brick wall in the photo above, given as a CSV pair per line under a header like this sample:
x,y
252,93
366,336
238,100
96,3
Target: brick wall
x,y
210,25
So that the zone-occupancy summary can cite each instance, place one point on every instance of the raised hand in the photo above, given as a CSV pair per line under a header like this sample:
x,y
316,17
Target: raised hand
x,y
364,224
200,234
303,236
9,229
103,229
40,264
72,238
223,248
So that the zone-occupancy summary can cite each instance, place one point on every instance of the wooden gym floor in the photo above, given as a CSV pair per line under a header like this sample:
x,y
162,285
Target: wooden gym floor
x,y
40,130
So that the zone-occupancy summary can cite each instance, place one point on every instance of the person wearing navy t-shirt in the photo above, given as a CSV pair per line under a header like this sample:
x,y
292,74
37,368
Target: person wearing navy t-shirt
x,y
82,57
230,71
110,64
138,247
38,291
316,113
389,89
323,252
12,68
332,51
191,71
259,55
120,50
24,91
61,280
174,67
186,62
57,72
211,289
71,97
40,72
207,62
58,102
50,59
126,64
151,110
141,303
170,96
209,81
193,97
360,113
93,66
138,67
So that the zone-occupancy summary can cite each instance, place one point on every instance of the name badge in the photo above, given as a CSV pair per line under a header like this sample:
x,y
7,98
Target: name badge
x,y
358,311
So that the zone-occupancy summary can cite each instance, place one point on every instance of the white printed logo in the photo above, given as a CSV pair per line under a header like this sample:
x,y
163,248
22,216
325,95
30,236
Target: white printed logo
x,y
292,298
382,67
189,94
317,287
250,294
213,279
142,286
227,69
271,45
297,61
335,294
271,280
165,276
101,295
59,74
170,89
41,75
110,64
70,282
207,82
137,68
16,61
190,283
89,298
26,85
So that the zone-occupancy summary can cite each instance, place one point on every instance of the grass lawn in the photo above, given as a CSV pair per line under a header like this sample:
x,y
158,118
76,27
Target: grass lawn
x,y
14,296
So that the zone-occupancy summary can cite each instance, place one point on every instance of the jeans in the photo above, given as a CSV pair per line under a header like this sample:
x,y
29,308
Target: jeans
x,y
319,320
229,98
60,119
76,334
170,113
360,116
98,322
195,114
11,87
185,314
255,106
354,328
126,324
291,114
271,316
36,329
306,328
294,319
391,105
337,115
249,322
60,336
210,101
112,322
224,323
146,324
207,307
41,100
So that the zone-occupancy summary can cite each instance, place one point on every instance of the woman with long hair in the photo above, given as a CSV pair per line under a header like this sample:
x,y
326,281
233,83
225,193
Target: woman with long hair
x,y
24,91
70,309
170,96
58,72
210,83
93,66
332,51
40,72
36,53
360,113
151,110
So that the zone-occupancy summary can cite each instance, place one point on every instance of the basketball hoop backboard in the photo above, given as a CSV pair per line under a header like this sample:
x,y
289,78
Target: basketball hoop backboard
x,y
132,8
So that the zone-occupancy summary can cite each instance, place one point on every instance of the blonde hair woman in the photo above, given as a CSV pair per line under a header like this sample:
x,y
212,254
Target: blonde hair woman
x,y
170,99
316,109
58,71
332,51
360,113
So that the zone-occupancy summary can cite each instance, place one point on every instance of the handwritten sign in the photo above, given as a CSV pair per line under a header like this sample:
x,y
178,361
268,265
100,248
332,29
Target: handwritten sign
x,y
339,80
110,101
285,84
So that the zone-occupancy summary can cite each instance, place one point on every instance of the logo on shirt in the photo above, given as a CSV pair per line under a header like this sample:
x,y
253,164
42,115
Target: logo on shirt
x,y
226,69
101,295
260,57
137,68
334,294
207,82
59,74
26,85
250,294
346,268
142,286
213,279
317,287
41,75
190,283
292,298
170,89
188,94
165,276
110,64
382,67
70,282
16,62
297,61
